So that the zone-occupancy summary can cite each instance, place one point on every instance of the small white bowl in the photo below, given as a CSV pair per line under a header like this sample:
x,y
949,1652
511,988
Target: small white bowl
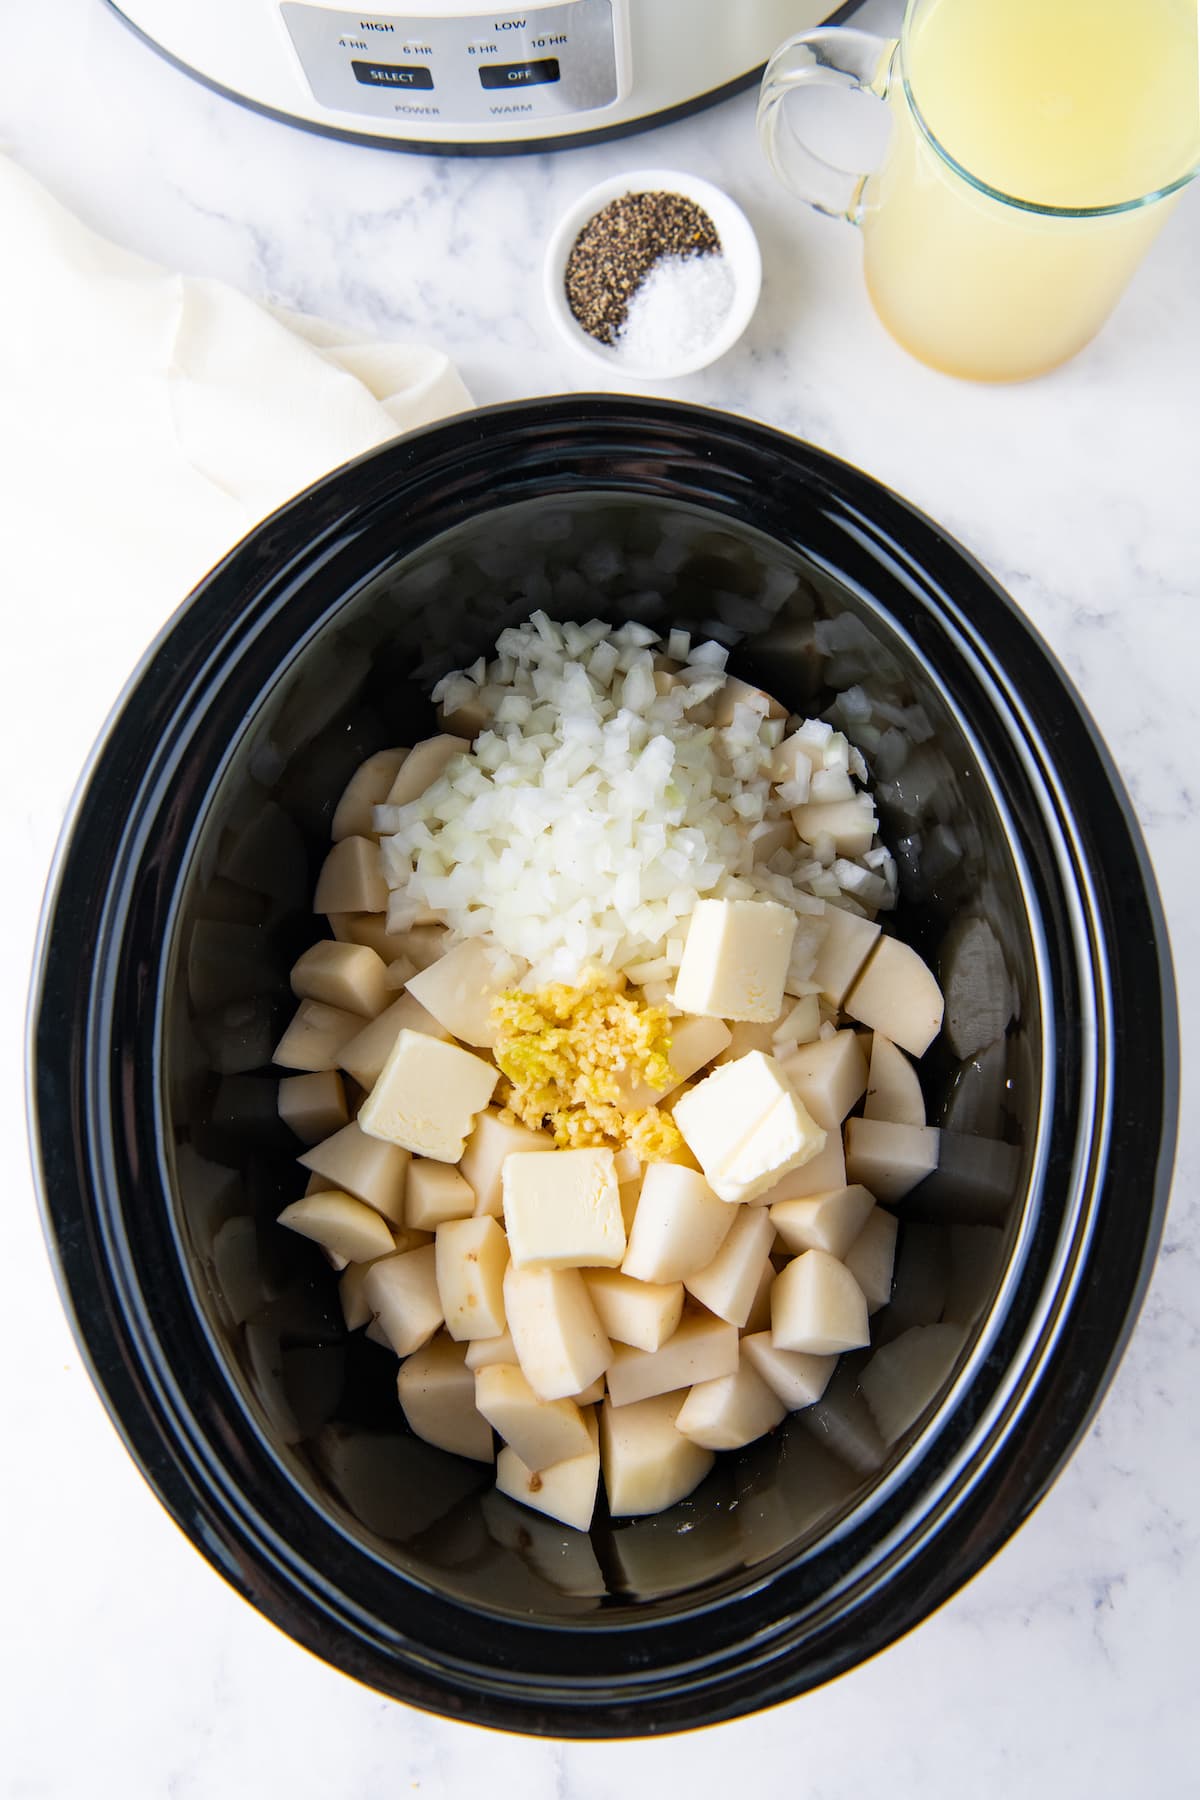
x,y
738,244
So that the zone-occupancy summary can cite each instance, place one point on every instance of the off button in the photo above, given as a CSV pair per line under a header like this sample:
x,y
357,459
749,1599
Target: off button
x,y
391,75
526,74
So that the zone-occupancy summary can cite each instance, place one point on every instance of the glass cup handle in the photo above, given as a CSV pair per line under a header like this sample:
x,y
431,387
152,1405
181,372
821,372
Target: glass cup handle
x,y
832,57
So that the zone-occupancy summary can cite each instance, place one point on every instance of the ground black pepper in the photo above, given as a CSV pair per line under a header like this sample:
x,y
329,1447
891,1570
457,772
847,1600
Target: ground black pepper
x,y
620,244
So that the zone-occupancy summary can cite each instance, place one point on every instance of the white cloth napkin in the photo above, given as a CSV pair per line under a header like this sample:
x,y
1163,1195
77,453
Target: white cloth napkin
x,y
148,421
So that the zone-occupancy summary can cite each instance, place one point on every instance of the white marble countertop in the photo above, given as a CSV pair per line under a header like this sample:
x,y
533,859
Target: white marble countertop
x,y
1064,1668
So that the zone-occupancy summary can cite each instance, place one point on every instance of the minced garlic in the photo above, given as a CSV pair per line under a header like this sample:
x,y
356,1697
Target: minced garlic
x,y
568,1055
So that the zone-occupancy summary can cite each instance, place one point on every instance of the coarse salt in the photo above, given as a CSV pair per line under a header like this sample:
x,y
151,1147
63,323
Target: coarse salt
x,y
677,310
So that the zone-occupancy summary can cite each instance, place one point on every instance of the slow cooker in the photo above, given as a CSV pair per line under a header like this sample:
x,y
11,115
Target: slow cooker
x,y
183,893
447,76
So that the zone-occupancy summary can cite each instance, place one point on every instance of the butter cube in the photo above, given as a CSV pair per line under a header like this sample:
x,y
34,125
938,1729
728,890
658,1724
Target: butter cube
x,y
735,960
492,1140
747,1127
459,988
563,1211
427,1096
471,1256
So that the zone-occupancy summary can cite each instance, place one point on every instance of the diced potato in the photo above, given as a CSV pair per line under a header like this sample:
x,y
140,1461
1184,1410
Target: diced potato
x,y
735,959
315,1038
351,879
731,1411
678,1227
355,1309
402,1292
560,1343
829,1076
541,1432
349,976
366,789
592,1394
796,1377
733,693
370,929
472,1256
702,1348
648,1465
728,1285
459,988
435,1193
377,1334
482,1161
746,1035
817,1306
566,1491
904,1376
980,996
889,1159
641,1313
872,1257
794,759
694,1044
801,1025
373,1171
482,1351
366,1053
339,1223
746,1127
422,766
437,1393
825,1173
759,1316
850,823
829,1222
847,943
313,1105
399,972
427,1096
563,1211
898,995
423,945
893,1086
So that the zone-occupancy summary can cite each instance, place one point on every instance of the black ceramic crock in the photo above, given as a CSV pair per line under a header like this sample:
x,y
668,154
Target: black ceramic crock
x,y
182,893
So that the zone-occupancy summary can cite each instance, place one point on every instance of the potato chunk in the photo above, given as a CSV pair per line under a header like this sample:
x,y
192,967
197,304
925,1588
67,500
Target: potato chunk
x,y
746,1127
872,1257
560,1344
540,1431
702,1348
678,1227
458,988
437,1393
471,1259
798,1378
847,942
565,1491
482,1351
694,1043
648,1465
829,1222
365,1054
346,975
735,959
850,823
351,879
890,1159
823,1174
314,1039
641,1313
402,1293
340,1224
563,1211
373,1171
422,766
731,1411
829,1075
435,1192
729,1283
366,789
313,1105
427,1096
817,1306
898,995
893,1086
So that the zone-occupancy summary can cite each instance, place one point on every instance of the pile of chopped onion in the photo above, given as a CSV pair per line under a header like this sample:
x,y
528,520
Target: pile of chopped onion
x,y
601,800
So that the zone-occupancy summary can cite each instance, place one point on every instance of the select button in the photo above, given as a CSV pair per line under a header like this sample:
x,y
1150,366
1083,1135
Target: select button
x,y
526,74
393,75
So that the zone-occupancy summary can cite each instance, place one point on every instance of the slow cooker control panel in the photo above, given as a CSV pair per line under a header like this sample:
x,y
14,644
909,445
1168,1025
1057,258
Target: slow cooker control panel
x,y
481,69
